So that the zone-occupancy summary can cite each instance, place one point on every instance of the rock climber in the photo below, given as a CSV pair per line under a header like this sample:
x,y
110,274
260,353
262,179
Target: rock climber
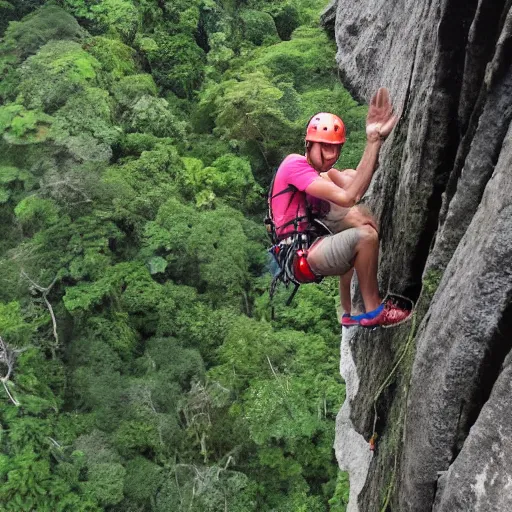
x,y
331,196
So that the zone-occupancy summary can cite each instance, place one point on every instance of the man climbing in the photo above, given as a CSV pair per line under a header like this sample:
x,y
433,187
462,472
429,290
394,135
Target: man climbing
x,y
307,187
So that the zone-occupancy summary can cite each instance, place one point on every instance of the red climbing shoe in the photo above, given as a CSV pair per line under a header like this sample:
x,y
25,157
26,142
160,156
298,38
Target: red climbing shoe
x,y
349,321
390,312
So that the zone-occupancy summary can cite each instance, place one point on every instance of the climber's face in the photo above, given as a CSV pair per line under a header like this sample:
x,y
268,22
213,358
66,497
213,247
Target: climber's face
x,y
323,156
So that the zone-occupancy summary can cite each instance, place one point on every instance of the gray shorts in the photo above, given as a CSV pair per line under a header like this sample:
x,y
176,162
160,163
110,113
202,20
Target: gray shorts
x,y
334,255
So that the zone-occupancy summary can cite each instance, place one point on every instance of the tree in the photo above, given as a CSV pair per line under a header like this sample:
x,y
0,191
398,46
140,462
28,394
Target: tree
x,y
140,369
205,249
258,27
47,23
229,177
58,70
177,63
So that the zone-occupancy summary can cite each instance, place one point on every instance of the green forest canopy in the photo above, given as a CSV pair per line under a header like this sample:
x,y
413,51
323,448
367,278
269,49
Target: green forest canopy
x,y
141,370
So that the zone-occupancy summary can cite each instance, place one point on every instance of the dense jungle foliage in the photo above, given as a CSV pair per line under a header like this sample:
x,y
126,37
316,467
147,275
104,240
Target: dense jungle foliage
x,y
140,368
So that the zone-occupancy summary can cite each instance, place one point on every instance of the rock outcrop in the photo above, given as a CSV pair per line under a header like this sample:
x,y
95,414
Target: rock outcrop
x,y
436,391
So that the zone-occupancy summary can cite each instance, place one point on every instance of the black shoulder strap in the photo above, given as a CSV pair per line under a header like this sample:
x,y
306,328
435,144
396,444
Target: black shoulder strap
x,y
289,188
308,216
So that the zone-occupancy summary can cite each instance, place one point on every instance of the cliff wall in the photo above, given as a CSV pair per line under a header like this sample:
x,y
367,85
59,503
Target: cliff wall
x,y
435,391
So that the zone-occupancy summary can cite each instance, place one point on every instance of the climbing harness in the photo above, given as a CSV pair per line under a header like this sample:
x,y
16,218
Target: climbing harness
x,y
289,251
290,265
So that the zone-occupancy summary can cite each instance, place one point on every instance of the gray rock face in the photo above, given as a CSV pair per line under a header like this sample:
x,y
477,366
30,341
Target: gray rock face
x,y
480,477
457,345
353,453
436,395
484,138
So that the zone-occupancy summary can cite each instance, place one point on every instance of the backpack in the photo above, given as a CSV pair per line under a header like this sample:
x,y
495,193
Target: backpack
x,y
288,253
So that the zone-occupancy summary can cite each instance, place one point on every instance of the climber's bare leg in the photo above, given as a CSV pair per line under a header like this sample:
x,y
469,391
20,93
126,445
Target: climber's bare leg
x,y
358,216
345,298
365,264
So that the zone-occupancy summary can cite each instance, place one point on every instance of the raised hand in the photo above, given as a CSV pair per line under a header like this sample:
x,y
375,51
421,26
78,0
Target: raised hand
x,y
380,119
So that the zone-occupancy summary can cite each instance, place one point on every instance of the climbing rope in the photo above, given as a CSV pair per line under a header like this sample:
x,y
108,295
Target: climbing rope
x,y
382,387
387,380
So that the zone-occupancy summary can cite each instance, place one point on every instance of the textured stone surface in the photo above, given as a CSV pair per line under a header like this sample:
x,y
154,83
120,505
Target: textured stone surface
x,y
328,17
480,479
486,143
458,347
353,454
444,198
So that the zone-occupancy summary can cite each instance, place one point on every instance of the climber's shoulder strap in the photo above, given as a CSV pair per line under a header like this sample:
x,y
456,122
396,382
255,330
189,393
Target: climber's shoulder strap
x,y
286,246
289,188
308,213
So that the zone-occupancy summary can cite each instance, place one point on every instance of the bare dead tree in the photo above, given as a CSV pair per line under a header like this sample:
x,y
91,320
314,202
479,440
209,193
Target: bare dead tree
x,y
204,477
8,360
44,294
142,394
201,400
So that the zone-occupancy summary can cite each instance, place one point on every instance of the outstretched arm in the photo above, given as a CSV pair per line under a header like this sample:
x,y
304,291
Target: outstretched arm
x,y
347,176
379,123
